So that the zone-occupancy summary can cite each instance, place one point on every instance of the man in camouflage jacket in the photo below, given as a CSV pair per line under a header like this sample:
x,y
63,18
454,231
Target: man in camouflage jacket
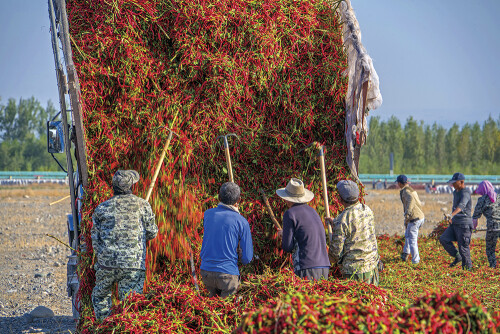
x,y
354,243
121,227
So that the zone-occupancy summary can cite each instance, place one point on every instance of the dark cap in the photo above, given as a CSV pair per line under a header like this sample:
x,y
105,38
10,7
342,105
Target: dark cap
x,y
123,180
402,179
457,177
348,190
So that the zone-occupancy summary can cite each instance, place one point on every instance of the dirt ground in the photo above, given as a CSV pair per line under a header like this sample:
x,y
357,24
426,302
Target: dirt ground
x,y
388,210
33,265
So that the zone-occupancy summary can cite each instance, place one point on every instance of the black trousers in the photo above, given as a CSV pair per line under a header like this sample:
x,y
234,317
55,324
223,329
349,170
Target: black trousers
x,y
462,235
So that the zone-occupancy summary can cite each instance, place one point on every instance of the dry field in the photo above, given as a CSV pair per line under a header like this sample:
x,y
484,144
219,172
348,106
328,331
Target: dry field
x,y
388,210
33,265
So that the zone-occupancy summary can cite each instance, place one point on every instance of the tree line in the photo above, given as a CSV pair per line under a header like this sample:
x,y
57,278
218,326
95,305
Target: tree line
x,y
23,136
420,148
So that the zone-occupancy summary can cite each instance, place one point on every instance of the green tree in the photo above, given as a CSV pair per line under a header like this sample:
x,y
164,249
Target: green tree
x,y
19,121
451,140
23,136
490,140
440,155
393,141
413,146
464,144
429,139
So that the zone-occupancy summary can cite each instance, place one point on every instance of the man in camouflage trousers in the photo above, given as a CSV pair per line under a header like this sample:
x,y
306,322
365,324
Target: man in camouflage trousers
x,y
121,227
488,206
354,243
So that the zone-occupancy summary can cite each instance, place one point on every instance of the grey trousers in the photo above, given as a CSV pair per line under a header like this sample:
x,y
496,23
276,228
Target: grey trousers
x,y
220,284
313,274
462,235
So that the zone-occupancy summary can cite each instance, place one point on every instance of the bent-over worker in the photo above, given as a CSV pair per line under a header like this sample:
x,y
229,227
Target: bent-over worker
x,y
460,229
303,232
224,231
489,206
121,227
354,243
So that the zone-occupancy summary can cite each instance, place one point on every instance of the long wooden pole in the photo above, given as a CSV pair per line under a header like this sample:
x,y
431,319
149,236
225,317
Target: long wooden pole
x,y
60,200
228,160
269,209
325,190
158,167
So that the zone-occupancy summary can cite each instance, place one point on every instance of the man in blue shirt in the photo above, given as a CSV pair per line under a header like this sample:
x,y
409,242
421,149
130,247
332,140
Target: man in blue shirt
x,y
225,230
460,229
303,232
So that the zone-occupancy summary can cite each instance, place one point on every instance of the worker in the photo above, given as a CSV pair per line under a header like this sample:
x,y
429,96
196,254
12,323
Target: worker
x,y
303,232
488,205
121,227
413,219
354,243
225,230
460,229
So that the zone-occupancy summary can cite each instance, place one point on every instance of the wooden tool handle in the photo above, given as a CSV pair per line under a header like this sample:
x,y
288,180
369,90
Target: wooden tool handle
x,y
269,210
60,200
325,191
229,166
158,167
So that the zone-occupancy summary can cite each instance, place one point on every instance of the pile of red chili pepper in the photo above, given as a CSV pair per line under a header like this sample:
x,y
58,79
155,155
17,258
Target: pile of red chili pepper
x,y
432,313
178,308
441,226
270,71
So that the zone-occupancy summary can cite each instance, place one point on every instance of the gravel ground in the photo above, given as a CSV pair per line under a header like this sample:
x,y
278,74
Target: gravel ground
x,y
33,265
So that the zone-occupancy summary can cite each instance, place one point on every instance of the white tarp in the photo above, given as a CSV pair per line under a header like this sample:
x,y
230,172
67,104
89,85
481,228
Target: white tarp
x,y
363,92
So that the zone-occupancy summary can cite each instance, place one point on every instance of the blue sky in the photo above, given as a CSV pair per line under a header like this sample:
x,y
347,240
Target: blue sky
x,y
435,59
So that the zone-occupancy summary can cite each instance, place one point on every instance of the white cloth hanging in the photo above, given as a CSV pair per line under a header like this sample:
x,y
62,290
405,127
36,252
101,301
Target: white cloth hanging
x,y
363,93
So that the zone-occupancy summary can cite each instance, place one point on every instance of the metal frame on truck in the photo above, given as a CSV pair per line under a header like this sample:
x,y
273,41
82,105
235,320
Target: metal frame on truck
x,y
73,134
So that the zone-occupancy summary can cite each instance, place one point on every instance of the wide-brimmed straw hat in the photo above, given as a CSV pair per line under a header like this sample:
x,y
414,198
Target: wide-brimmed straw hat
x,y
295,192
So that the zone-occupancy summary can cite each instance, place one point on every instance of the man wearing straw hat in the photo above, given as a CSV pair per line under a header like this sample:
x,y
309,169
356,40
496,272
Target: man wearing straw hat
x,y
354,243
303,232
121,227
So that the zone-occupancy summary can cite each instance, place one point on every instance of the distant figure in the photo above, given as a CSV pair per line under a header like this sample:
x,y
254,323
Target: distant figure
x,y
225,230
354,242
303,233
489,206
460,229
385,183
121,227
413,218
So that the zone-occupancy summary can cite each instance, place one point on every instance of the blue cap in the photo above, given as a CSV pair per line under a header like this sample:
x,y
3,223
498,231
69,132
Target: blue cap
x,y
457,177
402,179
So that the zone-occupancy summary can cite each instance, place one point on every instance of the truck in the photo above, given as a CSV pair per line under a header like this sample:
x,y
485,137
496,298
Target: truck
x,y
66,135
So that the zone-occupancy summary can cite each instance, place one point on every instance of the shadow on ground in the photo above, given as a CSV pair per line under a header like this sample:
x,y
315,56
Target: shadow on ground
x,y
23,324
